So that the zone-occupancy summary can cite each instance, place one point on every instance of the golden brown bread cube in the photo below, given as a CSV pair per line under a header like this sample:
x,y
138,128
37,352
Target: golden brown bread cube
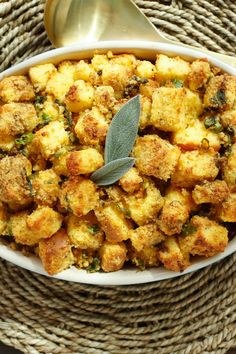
x,y
45,187
55,253
50,109
146,236
104,98
112,256
227,210
194,167
205,237
175,212
59,84
210,192
171,68
40,74
228,120
84,71
144,204
131,181
79,195
3,218
145,114
7,143
145,69
98,61
194,136
155,156
84,161
113,222
128,60
80,96
220,92
172,255
14,180
173,108
148,88
200,72
84,232
17,118
51,138
28,229
59,161
229,169
91,127
116,76
16,89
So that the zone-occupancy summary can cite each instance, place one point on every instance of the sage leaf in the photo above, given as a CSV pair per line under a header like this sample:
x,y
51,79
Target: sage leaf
x,y
112,172
123,131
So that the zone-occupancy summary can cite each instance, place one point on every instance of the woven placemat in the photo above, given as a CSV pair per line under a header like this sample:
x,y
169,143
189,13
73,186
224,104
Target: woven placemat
x,y
190,314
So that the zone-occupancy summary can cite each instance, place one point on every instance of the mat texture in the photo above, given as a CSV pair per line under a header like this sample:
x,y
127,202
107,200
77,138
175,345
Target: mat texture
x,y
192,314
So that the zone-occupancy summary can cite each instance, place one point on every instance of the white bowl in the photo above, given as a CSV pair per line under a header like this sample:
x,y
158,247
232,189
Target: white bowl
x,y
144,50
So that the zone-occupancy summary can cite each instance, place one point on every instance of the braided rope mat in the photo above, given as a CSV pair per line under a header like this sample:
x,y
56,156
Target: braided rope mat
x,y
192,314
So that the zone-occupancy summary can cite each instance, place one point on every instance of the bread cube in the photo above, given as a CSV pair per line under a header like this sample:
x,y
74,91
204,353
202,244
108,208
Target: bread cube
x,y
55,253
113,222
155,156
45,186
194,136
220,92
112,255
194,167
79,195
40,74
131,181
59,162
84,161
206,237
16,89
104,98
145,69
7,143
21,232
17,118
145,113
229,169
67,68
128,60
200,72
144,205
99,61
84,71
226,211
51,138
175,212
172,255
84,232
171,68
3,218
149,88
91,127
14,180
116,75
51,110
59,84
146,236
80,96
173,108
228,119
210,192
44,221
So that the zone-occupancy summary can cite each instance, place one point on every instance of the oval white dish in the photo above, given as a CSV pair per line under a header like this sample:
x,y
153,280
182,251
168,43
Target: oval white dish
x,y
144,50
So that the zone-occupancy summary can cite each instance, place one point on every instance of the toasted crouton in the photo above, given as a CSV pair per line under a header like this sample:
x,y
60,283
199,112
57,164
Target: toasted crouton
x,y
80,96
40,74
173,108
146,236
171,68
172,255
194,167
220,92
55,253
45,187
227,210
84,161
229,169
155,156
112,255
205,237
79,195
210,192
131,181
16,89
145,69
200,72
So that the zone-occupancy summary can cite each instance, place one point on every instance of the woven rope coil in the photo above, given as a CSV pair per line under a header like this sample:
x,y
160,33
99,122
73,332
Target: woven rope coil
x,y
193,314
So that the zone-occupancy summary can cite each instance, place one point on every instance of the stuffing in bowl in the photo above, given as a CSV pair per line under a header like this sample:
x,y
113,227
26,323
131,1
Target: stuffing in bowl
x,y
117,160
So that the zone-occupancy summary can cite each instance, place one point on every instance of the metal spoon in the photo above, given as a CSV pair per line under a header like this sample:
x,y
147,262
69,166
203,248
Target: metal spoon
x,y
70,22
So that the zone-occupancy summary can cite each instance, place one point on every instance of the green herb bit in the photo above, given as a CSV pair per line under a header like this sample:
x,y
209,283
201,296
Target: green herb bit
x,y
32,194
209,122
125,211
73,138
24,139
46,118
93,228
213,123
94,266
66,113
139,263
188,229
177,83
219,99
40,99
